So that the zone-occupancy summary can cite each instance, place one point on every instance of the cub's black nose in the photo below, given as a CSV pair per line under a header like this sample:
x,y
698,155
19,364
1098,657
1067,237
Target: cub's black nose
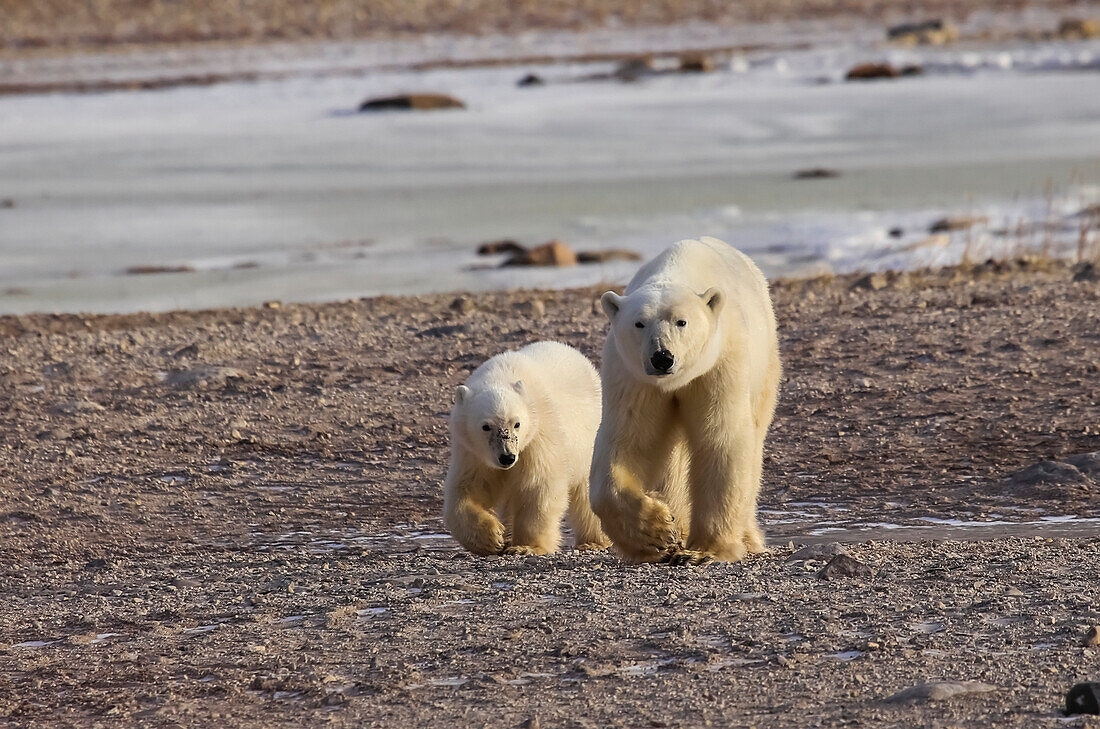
x,y
506,459
662,360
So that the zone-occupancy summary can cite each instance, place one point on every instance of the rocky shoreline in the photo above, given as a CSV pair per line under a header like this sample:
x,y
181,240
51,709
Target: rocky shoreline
x,y
231,517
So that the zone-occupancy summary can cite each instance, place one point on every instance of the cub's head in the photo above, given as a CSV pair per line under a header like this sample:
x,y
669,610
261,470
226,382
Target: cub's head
x,y
493,423
666,335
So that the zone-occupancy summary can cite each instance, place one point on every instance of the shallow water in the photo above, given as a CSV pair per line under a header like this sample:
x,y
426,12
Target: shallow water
x,y
273,190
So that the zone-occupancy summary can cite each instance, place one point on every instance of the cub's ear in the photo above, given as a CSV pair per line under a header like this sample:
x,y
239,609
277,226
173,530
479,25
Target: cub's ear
x,y
518,386
611,302
713,298
460,394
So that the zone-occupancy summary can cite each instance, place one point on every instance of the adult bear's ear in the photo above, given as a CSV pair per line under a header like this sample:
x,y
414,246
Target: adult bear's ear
x,y
713,298
518,386
460,394
610,301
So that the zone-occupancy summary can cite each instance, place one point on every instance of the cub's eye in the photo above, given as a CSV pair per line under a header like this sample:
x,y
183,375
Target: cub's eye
x,y
639,325
517,425
681,323
486,427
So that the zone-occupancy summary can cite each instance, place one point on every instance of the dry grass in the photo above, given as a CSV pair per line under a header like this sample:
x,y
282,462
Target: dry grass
x,y
62,23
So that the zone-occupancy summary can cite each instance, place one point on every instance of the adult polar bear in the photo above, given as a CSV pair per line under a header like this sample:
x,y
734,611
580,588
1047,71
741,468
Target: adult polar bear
x,y
690,375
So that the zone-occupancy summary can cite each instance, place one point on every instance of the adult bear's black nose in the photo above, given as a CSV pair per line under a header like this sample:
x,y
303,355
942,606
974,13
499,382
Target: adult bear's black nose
x,y
507,459
662,360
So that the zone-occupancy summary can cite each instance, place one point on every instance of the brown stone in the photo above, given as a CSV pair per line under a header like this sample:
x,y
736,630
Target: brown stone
x,y
961,222
865,71
612,254
499,246
1078,28
417,102
554,253
696,63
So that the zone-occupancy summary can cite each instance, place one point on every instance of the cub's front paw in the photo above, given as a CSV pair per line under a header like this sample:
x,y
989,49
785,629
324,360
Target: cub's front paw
x,y
488,539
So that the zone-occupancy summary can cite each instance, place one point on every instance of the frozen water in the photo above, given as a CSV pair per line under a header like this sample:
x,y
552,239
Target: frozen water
x,y
276,189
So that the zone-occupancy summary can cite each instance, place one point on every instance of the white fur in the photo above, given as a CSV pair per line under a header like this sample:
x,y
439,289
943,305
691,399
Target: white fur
x,y
678,457
552,392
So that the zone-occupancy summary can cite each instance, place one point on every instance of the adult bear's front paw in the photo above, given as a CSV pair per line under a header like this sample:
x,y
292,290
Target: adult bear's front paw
x,y
660,535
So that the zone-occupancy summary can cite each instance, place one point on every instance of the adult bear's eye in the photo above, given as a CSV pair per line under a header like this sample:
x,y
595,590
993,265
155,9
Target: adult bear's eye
x,y
517,425
639,325
486,427
681,323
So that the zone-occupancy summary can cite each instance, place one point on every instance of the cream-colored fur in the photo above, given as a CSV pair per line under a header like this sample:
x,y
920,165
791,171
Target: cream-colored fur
x,y
677,463
541,404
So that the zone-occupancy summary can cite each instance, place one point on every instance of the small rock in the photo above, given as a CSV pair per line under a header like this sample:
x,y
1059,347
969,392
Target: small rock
x,y
1011,591
1092,637
872,282
534,308
865,71
1048,472
7,203
1078,28
962,222
896,232
695,62
75,407
500,246
611,254
1084,698
554,253
273,304
821,552
939,691
415,102
205,376
843,565
928,32
633,69
446,330
1086,463
816,173
190,350
1086,271
463,304
532,723
531,79
146,270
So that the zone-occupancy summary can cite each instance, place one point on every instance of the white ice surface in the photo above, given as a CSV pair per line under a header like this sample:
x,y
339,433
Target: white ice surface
x,y
324,203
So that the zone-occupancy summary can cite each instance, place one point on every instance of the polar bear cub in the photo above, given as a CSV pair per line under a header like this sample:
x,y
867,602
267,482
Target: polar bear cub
x,y
522,431
690,375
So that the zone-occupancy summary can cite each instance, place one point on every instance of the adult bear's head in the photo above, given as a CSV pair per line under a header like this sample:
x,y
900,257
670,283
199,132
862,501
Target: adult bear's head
x,y
665,334
493,422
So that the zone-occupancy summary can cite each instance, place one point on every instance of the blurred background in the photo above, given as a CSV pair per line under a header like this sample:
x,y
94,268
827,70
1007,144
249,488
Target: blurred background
x,y
164,154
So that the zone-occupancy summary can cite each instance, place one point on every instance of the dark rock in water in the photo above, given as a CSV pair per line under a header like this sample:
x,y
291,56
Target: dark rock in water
x,y
1086,271
463,304
844,566
939,691
7,203
911,70
499,246
554,253
816,173
896,232
865,71
531,79
696,63
633,69
1084,698
417,102
146,270
612,254
962,222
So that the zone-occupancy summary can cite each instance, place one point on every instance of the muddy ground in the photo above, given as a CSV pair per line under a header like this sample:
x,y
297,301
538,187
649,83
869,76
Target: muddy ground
x,y
230,518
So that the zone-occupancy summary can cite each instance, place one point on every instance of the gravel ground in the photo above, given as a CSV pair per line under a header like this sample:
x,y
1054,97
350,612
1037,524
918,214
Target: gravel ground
x,y
231,518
